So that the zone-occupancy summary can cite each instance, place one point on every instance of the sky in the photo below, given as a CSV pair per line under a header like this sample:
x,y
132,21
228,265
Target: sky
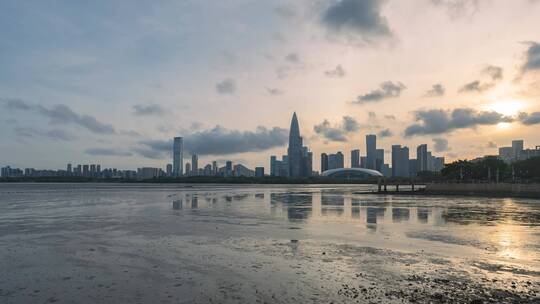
x,y
112,82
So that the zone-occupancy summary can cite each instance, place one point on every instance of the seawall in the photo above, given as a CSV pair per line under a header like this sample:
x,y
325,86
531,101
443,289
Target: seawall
x,y
500,189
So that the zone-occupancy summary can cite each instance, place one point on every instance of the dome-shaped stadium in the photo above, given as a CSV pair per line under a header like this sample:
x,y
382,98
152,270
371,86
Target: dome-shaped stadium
x,y
352,173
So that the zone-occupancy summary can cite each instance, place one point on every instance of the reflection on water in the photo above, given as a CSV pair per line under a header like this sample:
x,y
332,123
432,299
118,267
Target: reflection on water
x,y
331,205
470,218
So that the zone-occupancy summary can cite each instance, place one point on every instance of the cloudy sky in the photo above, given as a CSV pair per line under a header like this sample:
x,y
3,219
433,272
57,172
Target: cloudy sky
x,y
112,82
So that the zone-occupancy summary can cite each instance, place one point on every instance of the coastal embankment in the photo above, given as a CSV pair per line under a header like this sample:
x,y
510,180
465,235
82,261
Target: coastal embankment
x,y
491,189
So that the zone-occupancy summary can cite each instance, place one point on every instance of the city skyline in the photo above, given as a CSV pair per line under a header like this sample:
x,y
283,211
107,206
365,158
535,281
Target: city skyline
x,y
153,78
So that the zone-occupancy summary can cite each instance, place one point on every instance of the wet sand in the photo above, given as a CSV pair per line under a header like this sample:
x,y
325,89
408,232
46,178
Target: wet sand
x,y
100,243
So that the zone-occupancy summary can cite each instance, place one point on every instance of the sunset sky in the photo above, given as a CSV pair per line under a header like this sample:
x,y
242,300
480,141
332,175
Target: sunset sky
x,y
112,82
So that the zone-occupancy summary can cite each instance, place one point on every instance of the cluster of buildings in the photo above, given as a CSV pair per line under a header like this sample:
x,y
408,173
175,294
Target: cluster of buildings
x,y
297,163
517,152
299,160
402,165
179,169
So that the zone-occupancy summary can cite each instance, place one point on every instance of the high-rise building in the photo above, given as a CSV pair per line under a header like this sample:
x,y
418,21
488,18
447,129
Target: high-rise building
x,y
68,169
355,158
299,157
273,165
336,161
400,161
438,164
178,156
194,164
259,171
188,168
517,148
207,170
412,167
169,170
363,162
324,162
422,158
85,171
214,168
379,159
228,168
371,151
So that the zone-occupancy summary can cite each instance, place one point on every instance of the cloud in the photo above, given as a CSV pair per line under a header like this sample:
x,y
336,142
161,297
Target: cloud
x,y
494,73
437,90
61,114
16,104
106,152
491,145
387,89
475,86
438,121
226,87
218,141
529,119
338,132
274,91
350,124
440,144
292,58
54,134
458,8
532,57
390,117
152,153
356,19
385,133
338,72
286,12
146,110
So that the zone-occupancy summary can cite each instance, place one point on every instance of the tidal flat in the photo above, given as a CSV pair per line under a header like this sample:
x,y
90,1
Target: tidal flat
x,y
141,243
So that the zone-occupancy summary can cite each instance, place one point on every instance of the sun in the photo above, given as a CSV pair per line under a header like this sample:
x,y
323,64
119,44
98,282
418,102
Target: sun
x,y
507,108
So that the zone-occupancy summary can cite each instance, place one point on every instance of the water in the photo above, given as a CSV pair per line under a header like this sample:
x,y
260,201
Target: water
x,y
124,243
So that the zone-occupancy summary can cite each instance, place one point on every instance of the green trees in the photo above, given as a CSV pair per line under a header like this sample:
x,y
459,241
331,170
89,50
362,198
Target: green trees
x,y
492,169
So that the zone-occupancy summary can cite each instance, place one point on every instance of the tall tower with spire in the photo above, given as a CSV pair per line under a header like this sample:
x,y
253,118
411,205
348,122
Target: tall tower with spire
x,y
299,157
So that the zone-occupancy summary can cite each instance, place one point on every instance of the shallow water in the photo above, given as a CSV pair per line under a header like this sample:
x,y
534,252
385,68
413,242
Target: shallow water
x,y
127,243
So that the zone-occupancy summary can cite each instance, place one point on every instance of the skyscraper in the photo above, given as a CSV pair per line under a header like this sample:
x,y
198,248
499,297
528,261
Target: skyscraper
x,y
178,156
228,168
379,159
68,168
336,161
324,162
194,164
188,168
421,158
169,170
300,159
400,161
517,148
371,151
355,158
214,168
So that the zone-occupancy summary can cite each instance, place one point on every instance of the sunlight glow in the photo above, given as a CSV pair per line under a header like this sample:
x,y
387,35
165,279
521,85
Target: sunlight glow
x,y
509,108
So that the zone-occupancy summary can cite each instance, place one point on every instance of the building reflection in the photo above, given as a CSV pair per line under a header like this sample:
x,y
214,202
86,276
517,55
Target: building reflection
x,y
400,214
334,205
194,202
422,215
